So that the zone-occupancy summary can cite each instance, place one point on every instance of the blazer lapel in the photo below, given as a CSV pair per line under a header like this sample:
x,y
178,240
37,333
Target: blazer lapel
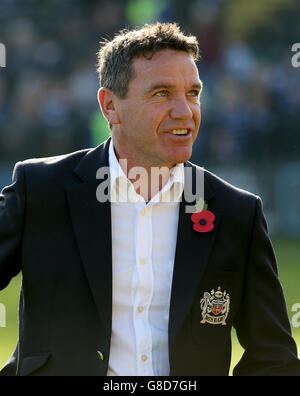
x,y
192,253
92,225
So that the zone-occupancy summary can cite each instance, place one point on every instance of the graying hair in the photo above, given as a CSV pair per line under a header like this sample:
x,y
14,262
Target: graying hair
x,y
115,56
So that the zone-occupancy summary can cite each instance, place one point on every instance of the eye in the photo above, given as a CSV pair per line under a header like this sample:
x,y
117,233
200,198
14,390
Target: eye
x,y
194,93
162,93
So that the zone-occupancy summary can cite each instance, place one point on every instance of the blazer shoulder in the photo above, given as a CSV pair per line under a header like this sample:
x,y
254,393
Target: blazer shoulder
x,y
228,197
48,172
223,186
238,205
54,161
83,163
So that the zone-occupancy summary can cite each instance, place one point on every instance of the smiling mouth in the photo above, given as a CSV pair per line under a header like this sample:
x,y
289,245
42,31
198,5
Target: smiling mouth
x,y
180,132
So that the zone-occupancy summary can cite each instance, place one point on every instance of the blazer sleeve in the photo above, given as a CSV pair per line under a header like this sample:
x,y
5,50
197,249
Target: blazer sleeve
x,y
12,204
262,324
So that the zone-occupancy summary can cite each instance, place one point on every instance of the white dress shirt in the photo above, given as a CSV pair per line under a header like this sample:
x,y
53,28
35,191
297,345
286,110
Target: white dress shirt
x,y
143,251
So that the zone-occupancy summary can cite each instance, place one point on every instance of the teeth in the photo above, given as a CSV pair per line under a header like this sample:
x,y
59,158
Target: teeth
x,y
179,131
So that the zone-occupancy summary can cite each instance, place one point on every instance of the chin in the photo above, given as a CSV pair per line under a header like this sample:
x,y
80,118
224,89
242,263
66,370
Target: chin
x,y
182,157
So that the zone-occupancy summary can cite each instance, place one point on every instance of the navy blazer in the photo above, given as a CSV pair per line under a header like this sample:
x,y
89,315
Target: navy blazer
x,y
54,230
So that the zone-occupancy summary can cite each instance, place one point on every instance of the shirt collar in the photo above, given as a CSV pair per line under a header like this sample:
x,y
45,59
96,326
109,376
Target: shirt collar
x,y
120,180
115,170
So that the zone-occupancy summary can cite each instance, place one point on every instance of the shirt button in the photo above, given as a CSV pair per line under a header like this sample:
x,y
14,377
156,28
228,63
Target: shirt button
x,y
144,358
143,261
144,212
140,309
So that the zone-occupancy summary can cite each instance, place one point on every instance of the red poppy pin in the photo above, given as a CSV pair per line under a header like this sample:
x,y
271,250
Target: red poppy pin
x,y
203,219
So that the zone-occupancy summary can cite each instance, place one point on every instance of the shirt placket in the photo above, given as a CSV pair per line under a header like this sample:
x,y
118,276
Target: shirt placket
x,y
144,291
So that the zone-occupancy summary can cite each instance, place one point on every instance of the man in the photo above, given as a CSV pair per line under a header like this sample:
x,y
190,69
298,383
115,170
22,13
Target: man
x,y
137,285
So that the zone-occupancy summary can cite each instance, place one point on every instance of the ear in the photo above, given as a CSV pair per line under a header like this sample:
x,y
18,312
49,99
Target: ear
x,y
107,105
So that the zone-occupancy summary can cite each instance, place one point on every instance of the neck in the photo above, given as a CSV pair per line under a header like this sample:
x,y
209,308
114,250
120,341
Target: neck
x,y
149,181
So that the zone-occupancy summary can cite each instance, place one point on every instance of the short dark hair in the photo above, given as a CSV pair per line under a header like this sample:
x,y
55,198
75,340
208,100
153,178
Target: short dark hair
x,y
115,56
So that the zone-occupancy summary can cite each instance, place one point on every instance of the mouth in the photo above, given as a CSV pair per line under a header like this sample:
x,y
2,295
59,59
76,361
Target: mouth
x,y
179,133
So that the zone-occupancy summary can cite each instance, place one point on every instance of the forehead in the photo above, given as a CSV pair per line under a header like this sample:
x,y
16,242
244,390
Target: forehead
x,y
167,65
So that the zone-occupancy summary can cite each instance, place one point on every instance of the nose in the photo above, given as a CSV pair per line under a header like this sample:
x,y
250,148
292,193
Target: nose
x,y
181,109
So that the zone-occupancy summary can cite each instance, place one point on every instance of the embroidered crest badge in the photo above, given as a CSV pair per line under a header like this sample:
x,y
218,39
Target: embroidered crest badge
x,y
215,307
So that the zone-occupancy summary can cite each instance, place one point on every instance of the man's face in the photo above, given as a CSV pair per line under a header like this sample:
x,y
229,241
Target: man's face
x,y
162,103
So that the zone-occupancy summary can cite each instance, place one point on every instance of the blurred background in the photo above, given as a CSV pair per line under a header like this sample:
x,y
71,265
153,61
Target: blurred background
x,y
250,131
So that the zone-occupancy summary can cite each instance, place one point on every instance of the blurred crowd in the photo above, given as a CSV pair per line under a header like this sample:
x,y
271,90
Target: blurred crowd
x,y
251,98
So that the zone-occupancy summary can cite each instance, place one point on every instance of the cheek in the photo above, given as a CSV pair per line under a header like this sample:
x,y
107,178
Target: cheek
x,y
150,118
129,120
197,112
158,114
197,118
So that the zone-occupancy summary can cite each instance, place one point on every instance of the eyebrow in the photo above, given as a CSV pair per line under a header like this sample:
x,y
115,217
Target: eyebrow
x,y
170,86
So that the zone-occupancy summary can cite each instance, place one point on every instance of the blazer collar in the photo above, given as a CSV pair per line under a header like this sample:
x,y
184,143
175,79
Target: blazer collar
x,y
94,159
